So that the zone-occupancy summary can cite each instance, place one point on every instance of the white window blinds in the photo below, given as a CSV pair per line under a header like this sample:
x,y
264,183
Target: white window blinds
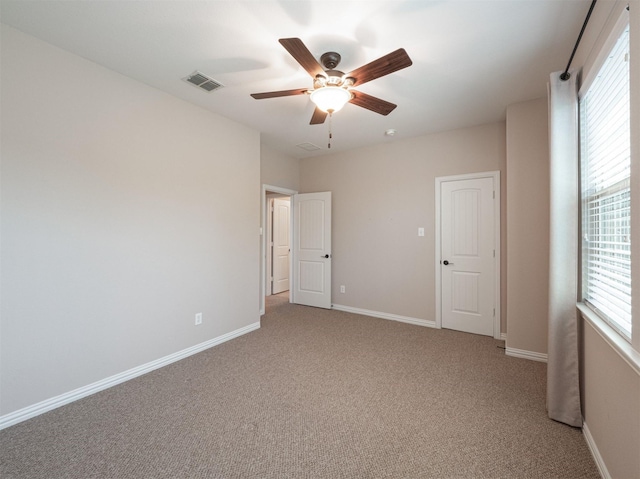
x,y
605,154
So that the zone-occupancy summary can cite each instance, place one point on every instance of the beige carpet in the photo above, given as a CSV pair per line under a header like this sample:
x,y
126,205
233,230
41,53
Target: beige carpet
x,y
313,394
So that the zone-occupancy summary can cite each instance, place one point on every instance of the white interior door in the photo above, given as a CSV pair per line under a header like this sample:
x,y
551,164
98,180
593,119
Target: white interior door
x,y
312,249
467,260
281,235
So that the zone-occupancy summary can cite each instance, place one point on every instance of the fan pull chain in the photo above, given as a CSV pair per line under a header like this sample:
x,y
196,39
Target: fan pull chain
x,y
330,134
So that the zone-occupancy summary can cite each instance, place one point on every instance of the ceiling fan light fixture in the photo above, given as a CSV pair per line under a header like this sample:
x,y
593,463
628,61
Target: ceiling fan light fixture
x,y
331,87
330,98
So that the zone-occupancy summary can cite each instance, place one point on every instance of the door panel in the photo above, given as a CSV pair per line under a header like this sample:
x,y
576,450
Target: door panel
x,y
467,268
311,276
281,235
465,291
312,249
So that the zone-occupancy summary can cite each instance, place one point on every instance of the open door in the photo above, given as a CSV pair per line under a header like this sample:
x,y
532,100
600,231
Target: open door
x,y
312,249
280,248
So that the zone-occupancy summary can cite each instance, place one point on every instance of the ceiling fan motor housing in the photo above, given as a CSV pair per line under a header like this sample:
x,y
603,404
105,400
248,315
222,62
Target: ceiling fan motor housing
x,y
330,60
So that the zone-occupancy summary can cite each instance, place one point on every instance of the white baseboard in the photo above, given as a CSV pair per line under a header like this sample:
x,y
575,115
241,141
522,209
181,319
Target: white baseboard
x,y
392,317
604,472
521,353
503,336
66,398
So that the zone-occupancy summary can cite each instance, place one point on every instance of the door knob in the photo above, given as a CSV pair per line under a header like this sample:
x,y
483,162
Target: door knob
x,y
325,256
446,263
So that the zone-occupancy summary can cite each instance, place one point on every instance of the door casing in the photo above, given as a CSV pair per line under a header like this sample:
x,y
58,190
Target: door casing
x,y
263,236
495,175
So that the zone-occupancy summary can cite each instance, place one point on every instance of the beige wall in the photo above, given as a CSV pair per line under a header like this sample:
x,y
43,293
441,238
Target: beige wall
x,y
381,196
527,225
277,169
611,404
117,226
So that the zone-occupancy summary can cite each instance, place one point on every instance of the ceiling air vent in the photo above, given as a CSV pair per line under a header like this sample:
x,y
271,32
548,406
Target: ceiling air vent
x,y
308,146
203,81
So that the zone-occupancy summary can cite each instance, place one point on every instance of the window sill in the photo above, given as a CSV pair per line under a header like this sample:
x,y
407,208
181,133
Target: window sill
x,y
618,343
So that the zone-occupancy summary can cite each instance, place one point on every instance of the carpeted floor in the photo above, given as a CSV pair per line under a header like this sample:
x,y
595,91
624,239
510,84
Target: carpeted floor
x,y
313,394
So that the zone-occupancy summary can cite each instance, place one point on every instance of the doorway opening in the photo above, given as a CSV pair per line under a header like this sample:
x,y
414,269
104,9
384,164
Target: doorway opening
x,y
275,271
311,283
278,234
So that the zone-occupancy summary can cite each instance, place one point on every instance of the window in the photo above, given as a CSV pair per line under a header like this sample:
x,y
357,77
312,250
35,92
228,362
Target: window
x,y
605,140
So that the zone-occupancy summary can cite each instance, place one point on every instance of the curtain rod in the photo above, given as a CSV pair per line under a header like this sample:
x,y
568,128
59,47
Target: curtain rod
x,y
566,75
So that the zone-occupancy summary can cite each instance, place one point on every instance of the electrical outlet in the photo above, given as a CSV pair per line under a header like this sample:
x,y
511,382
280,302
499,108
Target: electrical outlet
x,y
198,318
342,288
420,231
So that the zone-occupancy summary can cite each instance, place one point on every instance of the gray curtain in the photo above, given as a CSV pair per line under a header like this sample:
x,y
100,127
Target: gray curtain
x,y
563,387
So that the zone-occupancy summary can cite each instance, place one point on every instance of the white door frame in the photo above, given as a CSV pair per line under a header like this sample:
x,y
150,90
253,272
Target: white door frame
x,y
495,175
263,236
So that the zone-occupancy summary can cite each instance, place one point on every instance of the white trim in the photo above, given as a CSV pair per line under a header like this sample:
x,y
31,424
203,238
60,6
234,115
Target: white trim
x,y
84,391
597,457
523,354
392,317
263,229
437,255
268,236
614,339
495,175
503,336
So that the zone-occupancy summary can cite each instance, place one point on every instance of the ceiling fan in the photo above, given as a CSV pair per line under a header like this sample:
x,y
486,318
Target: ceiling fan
x,y
331,87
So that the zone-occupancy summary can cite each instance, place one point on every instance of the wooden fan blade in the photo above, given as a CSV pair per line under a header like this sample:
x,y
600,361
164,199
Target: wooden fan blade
x,y
318,117
389,63
275,94
303,56
371,103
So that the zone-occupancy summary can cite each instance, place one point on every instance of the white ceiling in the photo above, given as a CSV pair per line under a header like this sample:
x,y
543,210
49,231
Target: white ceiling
x,y
471,58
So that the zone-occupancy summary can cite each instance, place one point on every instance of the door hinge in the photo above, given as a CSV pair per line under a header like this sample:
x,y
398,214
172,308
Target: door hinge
x,y
494,194
494,253
494,312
